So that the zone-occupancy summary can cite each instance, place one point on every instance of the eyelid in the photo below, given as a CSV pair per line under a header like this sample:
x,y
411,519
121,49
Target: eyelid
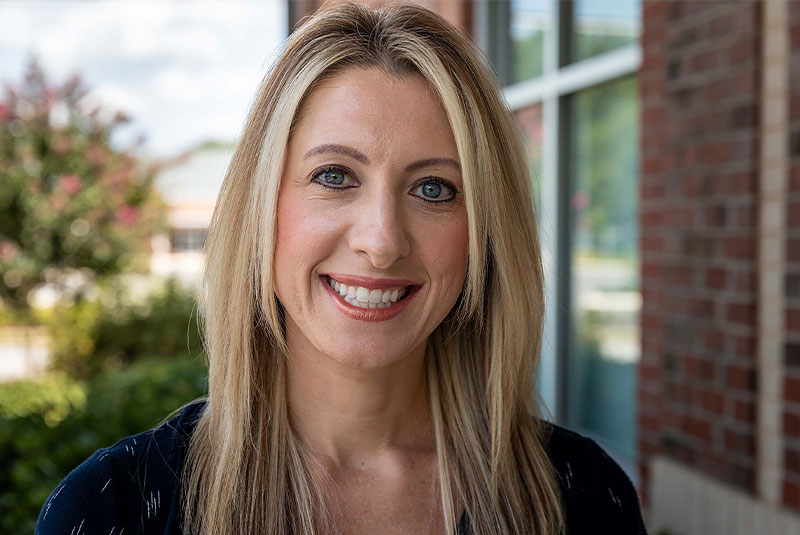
x,y
347,172
325,168
442,182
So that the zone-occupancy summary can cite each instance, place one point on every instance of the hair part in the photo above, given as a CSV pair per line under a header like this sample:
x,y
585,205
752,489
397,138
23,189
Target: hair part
x,y
246,471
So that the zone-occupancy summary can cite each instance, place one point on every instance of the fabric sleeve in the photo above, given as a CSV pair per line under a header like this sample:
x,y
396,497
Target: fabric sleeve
x,y
84,502
615,495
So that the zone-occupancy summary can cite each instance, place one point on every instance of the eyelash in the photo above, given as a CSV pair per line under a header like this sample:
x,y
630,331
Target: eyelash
x,y
346,171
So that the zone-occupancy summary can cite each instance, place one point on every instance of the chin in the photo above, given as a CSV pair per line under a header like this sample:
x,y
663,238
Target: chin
x,y
368,357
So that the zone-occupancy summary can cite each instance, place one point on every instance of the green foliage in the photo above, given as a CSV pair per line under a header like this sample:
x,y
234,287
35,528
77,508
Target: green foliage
x,y
93,337
54,398
68,200
37,452
605,165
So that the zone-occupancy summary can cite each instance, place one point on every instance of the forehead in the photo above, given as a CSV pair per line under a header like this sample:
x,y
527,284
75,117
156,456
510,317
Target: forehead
x,y
372,108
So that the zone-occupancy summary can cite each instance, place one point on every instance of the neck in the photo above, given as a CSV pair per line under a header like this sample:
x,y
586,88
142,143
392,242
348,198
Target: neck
x,y
349,416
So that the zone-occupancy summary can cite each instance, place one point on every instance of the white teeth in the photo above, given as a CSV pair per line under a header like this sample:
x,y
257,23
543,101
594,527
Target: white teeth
x,y
364,297
362,294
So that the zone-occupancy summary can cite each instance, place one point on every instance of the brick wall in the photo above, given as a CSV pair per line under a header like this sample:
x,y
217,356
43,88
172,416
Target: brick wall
x,y
791,416
699,94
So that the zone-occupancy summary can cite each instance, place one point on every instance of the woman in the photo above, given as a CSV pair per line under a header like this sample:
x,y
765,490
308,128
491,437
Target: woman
x,y
372,309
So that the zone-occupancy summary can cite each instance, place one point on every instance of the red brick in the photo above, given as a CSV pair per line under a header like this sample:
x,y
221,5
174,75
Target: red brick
x,y
736,442
791,460
702,308
745,346
739,248
793,250
738,377
716,216
791,494
793,214
649,371
715,278
652,243
743,314
712,401
698,428
697,367
745,412
791,389
651,322
794,174
793,319
746,282
649,423
791,424
713,340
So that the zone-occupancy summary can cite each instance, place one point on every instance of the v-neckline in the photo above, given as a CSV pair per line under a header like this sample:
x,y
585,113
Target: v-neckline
x,y
463,524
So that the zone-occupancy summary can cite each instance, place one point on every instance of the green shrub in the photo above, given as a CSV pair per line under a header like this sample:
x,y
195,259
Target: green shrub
x,y
38,449
106,334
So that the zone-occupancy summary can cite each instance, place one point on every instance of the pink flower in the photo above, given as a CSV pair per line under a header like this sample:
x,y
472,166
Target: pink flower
x,y
127,214
70,183
4,111
8,251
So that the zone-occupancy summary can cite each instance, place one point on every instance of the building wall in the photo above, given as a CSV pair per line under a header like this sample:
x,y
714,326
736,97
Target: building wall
x,y
699,90
791,416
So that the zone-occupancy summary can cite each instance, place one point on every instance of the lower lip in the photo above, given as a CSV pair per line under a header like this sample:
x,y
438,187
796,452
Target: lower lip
x,y
367,314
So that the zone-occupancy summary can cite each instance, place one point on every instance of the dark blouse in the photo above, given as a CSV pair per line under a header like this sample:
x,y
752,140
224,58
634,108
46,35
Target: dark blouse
x,y
132,487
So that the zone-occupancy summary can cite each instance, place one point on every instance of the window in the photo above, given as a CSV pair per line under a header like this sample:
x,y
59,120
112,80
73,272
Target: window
x,y
571,72
187,240
598,27
605,300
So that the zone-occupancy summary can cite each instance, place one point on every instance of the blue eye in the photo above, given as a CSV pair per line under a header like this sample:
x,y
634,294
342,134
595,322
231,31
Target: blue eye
x,y
435,190
432,190
333,177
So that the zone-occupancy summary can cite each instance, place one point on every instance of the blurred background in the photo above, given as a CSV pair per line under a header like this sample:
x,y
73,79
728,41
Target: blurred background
x,y
664,148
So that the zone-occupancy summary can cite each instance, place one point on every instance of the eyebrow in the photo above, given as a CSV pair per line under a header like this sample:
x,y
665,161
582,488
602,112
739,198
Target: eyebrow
x,y
356,155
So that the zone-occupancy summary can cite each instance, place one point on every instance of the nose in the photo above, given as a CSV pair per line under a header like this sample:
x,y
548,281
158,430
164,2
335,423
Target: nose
x,y
379,231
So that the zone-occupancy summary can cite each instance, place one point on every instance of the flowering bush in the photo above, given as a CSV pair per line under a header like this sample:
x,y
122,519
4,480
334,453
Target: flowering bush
x,y
68,199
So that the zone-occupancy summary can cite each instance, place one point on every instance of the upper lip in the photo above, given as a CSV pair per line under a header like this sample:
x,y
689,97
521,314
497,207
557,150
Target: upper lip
x,y
369,282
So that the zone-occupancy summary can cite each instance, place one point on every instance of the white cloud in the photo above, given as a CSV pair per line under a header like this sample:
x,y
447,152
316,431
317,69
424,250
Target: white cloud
x,y
185,71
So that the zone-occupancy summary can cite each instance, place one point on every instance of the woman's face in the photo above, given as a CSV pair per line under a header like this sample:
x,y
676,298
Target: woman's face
x,y
372,240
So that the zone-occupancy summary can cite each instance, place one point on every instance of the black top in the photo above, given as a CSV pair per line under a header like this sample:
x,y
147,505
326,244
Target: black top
x,y
132,487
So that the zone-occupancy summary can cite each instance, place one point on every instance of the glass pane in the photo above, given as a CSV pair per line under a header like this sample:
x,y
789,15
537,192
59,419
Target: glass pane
x,y
602,26
530,20
604,344
530,122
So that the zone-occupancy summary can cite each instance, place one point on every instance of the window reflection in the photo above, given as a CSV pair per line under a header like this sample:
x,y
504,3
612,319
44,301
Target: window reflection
x,y
530,22
599,27
604,345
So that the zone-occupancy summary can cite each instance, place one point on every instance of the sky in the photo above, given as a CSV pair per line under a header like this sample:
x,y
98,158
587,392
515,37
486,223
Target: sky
x,y
184,71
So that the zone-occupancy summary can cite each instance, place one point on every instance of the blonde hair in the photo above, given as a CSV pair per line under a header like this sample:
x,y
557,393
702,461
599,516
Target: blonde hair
x,y
246,471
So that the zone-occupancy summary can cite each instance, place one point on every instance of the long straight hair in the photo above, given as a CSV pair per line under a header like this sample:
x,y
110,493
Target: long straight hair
x,y
246,471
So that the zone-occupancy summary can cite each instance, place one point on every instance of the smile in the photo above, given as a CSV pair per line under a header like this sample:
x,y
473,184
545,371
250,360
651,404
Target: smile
x,y
362,297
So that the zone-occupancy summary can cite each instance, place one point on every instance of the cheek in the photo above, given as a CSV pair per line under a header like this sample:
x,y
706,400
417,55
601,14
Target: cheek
x,y
445,248
302,239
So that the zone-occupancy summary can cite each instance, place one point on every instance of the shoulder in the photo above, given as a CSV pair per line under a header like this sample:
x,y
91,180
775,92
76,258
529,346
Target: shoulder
x,y
598,495
133,484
